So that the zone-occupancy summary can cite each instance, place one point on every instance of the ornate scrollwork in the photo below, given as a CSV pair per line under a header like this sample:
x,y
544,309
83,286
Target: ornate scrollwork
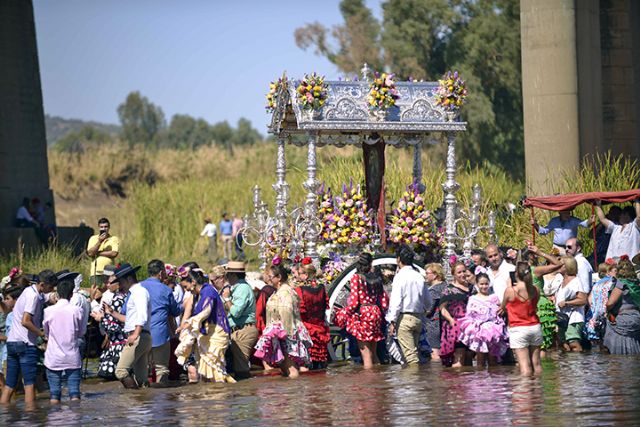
x,y
422,111
346,109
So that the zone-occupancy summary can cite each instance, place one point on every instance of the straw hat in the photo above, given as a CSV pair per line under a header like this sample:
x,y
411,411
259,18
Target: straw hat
x,y
217,271
235,267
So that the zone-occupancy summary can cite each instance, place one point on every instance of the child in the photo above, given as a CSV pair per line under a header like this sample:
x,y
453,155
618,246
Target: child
x,y
481,329
10,294
63,326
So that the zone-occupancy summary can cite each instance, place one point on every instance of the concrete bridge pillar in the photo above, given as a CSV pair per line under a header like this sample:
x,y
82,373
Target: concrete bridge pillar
x,y
23,146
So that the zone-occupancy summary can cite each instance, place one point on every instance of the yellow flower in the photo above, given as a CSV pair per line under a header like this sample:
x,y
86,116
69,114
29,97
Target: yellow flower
x,y
317,88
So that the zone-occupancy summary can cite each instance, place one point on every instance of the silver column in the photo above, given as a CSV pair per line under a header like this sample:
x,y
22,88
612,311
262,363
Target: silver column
x,y
311,204
282,193
260,225
450,187
474,222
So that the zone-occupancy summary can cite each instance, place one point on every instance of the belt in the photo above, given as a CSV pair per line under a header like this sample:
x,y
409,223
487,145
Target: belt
x,y
237,328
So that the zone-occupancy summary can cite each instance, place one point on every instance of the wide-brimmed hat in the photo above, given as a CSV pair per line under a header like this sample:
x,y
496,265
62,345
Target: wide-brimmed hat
x,y
66,275
636,259
235,267
109,270
217,271
124,270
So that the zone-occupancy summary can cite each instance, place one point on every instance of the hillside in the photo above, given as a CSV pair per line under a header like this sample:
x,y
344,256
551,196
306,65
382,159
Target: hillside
x,y
57,127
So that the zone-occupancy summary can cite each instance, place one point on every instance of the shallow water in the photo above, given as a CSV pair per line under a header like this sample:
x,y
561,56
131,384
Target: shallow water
x,y
575,389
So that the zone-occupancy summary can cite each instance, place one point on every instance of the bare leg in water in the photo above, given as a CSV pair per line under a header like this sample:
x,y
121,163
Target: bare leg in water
x,y
524,361
369,356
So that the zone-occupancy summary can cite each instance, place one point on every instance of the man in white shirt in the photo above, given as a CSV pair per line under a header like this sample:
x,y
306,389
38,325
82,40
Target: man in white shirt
x,y
133,366
625,237
498,270
210,231
585,271
410,300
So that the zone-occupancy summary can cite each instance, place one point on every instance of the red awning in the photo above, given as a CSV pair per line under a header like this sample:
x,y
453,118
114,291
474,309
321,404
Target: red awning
x,y
566,202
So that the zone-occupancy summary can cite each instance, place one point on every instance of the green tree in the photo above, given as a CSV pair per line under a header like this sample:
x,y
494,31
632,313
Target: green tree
x,y
356,42
245,134
222,134
78,142
425,38
186,132
141,120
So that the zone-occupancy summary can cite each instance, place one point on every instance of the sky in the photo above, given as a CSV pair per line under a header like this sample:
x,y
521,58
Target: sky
x,y
212,59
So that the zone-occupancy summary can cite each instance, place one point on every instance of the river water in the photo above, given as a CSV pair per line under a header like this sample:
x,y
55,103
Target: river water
x,y
574,389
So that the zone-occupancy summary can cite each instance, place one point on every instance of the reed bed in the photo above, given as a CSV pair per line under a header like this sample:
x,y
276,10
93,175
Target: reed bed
x,y
164,220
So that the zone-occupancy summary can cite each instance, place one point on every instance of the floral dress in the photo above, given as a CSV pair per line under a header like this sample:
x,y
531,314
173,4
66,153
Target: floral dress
x,y
285,333
595,320
364,314
456,300
114,330
314,302
481,329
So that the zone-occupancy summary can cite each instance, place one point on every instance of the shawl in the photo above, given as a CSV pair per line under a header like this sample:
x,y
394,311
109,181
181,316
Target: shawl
x,y
634,290
209,297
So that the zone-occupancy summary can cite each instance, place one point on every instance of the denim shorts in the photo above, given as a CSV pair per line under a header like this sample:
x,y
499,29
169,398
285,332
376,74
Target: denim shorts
x,y
21,358
73,378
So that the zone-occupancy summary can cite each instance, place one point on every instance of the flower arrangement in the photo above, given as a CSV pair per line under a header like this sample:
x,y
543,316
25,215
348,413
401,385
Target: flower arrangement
x,y
452,93
312,92
333,268
382,92
346,220
412,224
272,95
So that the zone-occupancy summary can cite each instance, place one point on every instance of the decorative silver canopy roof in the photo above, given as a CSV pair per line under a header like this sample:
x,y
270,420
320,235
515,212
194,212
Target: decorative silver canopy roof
x,y
345,118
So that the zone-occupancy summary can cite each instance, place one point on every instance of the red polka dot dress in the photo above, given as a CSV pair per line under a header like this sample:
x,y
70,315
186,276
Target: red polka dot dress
x,y
364,314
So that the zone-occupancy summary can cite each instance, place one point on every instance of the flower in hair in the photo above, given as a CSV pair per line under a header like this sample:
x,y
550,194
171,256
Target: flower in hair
x,y
15,271
624,257
610,261
480,269
307,260
453,259
170,269
183,272
276,260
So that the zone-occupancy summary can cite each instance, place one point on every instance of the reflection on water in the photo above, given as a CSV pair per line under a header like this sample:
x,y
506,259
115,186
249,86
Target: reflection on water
x,y
590,389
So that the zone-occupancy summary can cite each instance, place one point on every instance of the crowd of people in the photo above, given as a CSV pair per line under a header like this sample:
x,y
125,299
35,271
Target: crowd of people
x,y
500,306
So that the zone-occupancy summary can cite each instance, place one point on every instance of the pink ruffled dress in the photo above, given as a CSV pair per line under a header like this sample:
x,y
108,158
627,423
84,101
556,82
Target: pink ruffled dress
x,y
285,333
481,329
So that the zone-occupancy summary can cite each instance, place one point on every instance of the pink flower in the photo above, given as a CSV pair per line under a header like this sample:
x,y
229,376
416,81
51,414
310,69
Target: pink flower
x,y
342,222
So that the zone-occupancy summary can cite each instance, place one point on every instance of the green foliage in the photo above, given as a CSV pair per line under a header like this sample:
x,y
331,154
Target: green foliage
x,y
140,119
78,142
357,40
186,132
423,39
164,221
